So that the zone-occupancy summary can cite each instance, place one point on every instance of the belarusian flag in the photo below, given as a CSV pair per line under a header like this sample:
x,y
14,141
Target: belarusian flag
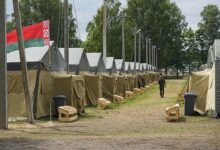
x,y
34,36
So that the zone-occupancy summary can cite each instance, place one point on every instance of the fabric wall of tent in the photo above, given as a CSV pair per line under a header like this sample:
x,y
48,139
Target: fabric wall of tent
x,y
93,89
78,61
96,63
147,78
110,65
141,80
72,86
120,65
206,84
121,85
38,72
108,86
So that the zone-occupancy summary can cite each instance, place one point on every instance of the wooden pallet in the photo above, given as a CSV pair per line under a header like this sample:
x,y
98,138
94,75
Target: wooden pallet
x,y
147,87
67,114
173,113
103,103
142,90
129,95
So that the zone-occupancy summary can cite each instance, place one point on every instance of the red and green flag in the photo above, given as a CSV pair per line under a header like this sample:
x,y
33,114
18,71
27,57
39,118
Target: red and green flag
x,y
35,35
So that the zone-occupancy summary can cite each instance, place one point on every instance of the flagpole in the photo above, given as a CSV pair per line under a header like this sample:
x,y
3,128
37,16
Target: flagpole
x,y
23,61
3,68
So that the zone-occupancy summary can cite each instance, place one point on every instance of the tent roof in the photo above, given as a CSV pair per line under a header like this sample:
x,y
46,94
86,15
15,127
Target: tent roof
x,y
109,62
137,66
75,55
93,59
144,66
119,63
127,64
132,65
33,54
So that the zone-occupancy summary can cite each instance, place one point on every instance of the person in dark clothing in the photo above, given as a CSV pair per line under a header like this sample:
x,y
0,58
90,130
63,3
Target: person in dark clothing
x,y
162,85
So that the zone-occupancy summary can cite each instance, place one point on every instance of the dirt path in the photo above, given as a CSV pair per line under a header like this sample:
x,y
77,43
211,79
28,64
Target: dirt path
x,y
139,124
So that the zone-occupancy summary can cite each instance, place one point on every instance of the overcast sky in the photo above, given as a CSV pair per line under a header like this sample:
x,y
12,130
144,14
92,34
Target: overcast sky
x,y
86,9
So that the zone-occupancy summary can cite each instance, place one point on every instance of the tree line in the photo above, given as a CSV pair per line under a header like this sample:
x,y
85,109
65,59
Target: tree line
x,y
162,21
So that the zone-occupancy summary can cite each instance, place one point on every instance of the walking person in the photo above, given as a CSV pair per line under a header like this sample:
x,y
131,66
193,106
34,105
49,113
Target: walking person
x,y
162,85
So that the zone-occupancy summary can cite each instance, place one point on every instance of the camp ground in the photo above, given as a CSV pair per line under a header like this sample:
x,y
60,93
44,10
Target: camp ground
x,y
78,62
109,75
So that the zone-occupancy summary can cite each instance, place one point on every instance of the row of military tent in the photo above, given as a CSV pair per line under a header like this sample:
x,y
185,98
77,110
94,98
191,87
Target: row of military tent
x,y
45,82
206,84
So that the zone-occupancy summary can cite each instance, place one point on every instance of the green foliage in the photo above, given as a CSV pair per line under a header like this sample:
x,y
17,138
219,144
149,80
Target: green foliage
x,y
39,10
95,28
208,29
158,20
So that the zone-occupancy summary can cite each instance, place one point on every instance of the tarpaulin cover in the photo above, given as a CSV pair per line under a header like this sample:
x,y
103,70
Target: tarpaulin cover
x,y
93,89
199,85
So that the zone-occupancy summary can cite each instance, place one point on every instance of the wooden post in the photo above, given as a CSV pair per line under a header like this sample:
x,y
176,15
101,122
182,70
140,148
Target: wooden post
x,y
147,51
135,49
104,31
23,61
3,68
123,41
66,34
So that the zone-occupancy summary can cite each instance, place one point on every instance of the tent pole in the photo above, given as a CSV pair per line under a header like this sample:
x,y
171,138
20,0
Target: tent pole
x,y
3,68
23,61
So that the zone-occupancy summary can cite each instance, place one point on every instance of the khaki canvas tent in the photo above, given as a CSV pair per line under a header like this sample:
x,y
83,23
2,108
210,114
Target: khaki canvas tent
x,y
78,61
108,86
110,65
120,65
38,72
72,86
96,63
93,89
206,84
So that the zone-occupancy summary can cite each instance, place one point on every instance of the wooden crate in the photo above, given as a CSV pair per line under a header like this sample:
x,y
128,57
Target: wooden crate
x,y
103,103
173,113
137,91
67,114
117,99
129,95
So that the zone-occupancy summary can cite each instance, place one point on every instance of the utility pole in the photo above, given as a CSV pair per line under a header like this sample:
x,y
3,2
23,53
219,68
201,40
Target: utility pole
x,y
139,49
156,58
123,39
135,49
66,34
150,49
146,50
104,30
152,56
3,68
23,61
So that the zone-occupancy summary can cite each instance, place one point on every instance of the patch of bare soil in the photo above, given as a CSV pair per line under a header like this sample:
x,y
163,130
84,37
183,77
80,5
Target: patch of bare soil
x,y
135,125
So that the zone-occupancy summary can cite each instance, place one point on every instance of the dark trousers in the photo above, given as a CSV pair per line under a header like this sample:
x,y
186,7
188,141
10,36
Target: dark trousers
x,y
161,92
